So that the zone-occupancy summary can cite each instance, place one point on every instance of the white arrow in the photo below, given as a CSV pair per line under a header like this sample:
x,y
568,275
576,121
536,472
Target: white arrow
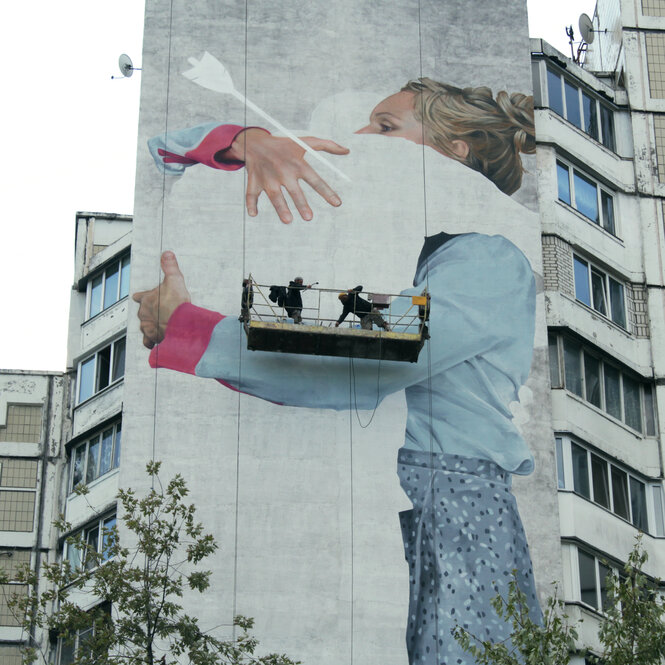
x,y
208,72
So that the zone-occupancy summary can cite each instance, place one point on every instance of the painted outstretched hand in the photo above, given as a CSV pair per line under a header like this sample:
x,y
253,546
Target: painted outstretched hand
x,y
274,163
157,305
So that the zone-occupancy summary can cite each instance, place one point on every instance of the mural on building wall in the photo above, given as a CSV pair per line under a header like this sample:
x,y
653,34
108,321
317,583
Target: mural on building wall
x,y
463,535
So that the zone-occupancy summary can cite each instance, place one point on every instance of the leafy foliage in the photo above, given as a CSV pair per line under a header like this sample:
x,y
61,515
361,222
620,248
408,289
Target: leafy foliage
x,y
143,582
631,629
531,643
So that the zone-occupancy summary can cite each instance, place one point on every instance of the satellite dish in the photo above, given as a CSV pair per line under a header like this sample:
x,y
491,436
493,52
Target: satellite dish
x,y
586,28
126,66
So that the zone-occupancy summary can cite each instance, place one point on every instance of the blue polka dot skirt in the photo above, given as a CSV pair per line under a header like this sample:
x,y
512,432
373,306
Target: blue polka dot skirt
x,y
462,540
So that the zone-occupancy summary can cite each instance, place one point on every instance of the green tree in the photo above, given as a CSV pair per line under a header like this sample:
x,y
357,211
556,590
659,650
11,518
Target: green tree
x,y
143,582
530,643
631,629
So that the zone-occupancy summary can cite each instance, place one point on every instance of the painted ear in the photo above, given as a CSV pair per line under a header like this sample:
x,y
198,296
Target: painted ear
x,y
460,148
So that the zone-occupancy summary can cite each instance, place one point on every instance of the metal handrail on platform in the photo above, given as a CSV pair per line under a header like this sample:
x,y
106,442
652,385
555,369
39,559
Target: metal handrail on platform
x,y
327,302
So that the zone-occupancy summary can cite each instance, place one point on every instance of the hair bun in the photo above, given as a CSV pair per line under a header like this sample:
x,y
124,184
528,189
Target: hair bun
x,y
518,108
496,130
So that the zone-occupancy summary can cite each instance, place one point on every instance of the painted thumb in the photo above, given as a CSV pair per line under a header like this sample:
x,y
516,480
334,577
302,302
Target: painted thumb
x,y
170,265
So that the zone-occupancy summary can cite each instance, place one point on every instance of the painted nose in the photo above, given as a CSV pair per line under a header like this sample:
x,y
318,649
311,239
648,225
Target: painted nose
x,y
367,129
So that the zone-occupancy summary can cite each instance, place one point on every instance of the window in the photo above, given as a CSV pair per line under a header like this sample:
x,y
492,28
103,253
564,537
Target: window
x,y
101,370
18,484
625,495
109,286
658,510
74,646
610,485
585,195
598,290
96,456
560,468
24,423
553,353
10,654
587,374
95,537
10,563
593,580
580,108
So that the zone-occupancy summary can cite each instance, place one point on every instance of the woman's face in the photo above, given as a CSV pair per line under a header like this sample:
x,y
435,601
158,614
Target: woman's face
x,y
394,117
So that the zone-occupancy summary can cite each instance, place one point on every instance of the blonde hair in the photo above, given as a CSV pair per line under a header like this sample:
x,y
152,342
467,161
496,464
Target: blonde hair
x,y
496,130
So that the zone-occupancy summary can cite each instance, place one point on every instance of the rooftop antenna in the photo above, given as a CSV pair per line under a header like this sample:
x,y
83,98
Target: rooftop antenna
x,y
570,33
126,67
208,72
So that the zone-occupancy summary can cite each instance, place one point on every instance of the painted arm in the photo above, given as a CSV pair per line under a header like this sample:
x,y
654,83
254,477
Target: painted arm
x,y
272,162
482,304
207,144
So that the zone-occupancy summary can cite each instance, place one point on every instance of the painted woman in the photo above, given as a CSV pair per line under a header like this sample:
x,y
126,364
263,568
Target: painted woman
x,y
463,537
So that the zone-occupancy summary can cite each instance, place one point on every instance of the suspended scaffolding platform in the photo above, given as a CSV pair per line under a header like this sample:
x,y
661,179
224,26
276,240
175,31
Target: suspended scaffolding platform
x,y
323,341
269,327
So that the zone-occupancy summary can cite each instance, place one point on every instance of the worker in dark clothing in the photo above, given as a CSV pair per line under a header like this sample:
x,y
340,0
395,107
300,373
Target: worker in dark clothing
x,y
293,303
423,314
247,300
353,304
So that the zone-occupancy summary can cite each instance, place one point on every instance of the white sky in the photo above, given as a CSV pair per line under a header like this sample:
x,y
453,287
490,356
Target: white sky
x,y
69,136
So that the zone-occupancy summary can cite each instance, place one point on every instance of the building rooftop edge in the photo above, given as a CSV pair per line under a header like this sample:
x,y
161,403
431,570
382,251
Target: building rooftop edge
x,y
32,372
110,215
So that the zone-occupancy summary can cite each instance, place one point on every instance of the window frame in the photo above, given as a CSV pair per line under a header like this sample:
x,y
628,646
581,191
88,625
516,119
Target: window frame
x,y
18,489
603,109
69,550
654,514
104,607
16,421
96,438
121,290
648,421
97,368
610,305
603,220
13,586
599,583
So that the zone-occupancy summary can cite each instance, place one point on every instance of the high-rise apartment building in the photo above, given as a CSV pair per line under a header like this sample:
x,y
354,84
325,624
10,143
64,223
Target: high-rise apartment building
x,y
58,430
33,421
299,487
601,201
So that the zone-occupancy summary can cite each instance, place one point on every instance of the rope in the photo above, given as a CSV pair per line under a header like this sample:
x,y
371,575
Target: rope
x,y
240,343
161,239
146,564
355,395
351,391
429,349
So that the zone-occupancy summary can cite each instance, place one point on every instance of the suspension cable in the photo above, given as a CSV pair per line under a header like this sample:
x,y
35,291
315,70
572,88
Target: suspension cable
x,y
429,349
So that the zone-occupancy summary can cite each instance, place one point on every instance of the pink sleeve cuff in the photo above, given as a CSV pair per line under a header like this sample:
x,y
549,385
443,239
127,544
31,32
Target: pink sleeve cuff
x,y
213,146
187,337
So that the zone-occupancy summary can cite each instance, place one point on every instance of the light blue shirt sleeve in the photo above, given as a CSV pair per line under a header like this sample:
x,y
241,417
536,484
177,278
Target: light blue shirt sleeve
x,y
482,306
